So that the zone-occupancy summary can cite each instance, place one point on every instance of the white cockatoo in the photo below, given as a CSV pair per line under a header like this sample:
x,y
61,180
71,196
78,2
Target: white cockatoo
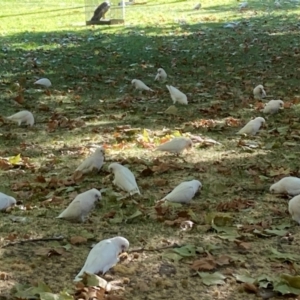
x,y
277,4
273,106
23,116
44,82
124,178
80,207
259,92
140,85
253,126
6,201
243,5
197,6
294,208
288,185
161,75
176,95
176,145
93,162
104,256
184,192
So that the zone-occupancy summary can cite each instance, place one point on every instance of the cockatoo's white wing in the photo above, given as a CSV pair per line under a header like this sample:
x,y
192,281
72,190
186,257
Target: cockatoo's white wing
x,y
125,180
44,81
252,126
95,161
140,85
101,258
80,207
176,145
6,201
294,208
157,77
184,192
72,212
176,95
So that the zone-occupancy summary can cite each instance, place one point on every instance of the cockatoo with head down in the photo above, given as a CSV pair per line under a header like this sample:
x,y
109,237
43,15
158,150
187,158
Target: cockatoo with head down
x,y
259,92
176,95
184,192
93,162
294,208
124,178
253,126
176,145
161,75
81,206
273,106
140,85
104,256
23,116
44,82
288,185
197,6
6,201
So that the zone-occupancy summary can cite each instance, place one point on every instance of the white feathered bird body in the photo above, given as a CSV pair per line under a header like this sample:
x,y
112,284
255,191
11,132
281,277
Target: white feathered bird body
x,y
95,161
44,81
124,178
81,206
140,85
184,192
273,106
259,92
253,126
176,95
176,145
161,75
294,208
288,185
6,201
23,116
104,256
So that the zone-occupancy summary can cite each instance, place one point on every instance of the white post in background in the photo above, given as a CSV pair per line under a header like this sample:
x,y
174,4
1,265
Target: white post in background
x,y
123,10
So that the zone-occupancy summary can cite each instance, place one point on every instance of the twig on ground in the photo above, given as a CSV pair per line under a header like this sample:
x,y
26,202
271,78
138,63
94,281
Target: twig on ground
x,y
156,249
58,238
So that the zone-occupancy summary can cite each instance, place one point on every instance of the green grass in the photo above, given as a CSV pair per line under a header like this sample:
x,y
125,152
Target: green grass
x,y
91,69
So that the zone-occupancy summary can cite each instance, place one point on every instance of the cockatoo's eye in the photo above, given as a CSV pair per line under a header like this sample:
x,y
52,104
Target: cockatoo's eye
x,y
272,190
123,248
97,196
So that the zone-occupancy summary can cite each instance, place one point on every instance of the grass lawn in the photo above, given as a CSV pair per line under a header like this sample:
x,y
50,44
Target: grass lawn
x,y
236,247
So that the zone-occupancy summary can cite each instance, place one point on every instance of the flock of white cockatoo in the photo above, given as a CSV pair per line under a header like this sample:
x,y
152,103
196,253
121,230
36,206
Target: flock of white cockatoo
x,y
104,255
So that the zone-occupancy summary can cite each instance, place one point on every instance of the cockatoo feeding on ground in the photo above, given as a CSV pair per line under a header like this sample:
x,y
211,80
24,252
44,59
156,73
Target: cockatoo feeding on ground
x,y
93,162
104,256
176,145
243,5
23,116
161,75
259,92
176,95
44,82
294,208
124,178
80,207
140,85
273,106
184,192
6,201
288,185
197,6
253,126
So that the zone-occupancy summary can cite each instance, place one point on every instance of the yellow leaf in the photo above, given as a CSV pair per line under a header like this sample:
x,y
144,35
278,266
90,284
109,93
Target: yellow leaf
x,y
176,133
145,135
15,159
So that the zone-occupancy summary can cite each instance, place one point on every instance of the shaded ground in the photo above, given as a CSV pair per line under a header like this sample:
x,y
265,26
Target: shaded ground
x,y
91,70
